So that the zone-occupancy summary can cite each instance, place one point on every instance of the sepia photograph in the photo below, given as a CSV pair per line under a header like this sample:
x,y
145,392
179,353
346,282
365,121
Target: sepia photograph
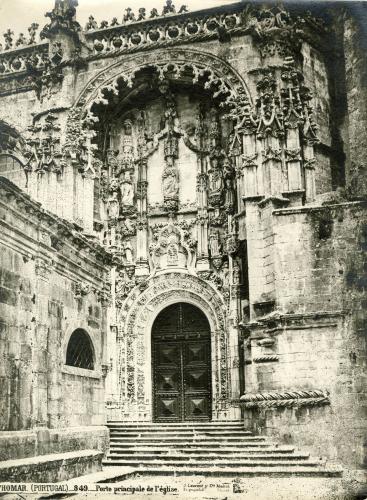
x,y
183,237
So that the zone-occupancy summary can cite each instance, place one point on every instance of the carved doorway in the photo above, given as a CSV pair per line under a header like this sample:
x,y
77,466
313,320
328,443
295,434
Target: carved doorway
x,y
181,365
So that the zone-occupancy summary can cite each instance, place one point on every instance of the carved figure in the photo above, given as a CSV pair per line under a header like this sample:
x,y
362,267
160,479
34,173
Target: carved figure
x,y
127,156
229,200
170,183
128,252
104,24
214,244
113,205
225,275
127,190
236,275
114,21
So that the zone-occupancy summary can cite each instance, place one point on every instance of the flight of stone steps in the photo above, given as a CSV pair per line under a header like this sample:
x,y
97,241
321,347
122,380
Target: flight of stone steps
x,y
221,448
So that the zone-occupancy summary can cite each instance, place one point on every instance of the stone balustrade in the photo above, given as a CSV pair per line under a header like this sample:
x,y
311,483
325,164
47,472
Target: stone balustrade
x,y
24,58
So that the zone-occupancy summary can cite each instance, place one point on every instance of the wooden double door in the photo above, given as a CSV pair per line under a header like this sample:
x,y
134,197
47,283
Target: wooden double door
x,y
181,365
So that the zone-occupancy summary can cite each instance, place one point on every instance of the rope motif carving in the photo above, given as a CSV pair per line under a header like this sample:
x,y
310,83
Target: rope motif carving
x,y
285,399
266,358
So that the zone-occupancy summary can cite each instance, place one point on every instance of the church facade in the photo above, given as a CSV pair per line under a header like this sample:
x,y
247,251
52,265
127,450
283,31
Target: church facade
x,y
184,229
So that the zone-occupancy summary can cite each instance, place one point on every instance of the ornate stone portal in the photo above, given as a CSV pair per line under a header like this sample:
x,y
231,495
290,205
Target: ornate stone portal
x,y
133,344
170,239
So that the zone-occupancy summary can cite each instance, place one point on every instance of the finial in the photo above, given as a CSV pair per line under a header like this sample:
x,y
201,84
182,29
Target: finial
x,y
154,13
142,14
21,40
32,30
8,35
129,16
91,24
183,9
169,8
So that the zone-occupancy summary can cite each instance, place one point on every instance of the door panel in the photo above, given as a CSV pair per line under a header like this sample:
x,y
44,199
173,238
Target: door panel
x,y
167,381
181,367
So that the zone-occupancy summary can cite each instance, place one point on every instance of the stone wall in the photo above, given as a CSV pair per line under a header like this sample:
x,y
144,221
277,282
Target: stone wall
x,y
355,45
316,339
52,282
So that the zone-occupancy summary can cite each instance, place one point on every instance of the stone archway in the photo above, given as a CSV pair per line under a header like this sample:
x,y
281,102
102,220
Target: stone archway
x,y
134,345
220,76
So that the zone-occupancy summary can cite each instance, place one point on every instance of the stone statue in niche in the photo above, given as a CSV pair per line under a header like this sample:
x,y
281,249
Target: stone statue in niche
x,y
170,174
170,184
127,190
215,177
236,274
113,202
229,198
215,249
214,244
128,252
225,275
126,166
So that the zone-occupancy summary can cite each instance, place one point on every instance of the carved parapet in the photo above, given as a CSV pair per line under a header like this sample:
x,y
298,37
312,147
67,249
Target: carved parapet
x,y
31,57
285,399
143,33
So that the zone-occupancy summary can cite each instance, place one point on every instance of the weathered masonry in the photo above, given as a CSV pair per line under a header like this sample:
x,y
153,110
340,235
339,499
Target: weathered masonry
x,y
184,233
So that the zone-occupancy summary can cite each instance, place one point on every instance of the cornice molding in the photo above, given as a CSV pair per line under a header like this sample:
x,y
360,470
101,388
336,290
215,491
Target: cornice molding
x,y
11,195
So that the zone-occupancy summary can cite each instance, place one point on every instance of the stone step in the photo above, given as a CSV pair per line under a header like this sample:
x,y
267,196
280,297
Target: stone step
x,y
192,448
261,471
190,444
164,428
168,434
212,463
236,456
217,423
202,451
197,438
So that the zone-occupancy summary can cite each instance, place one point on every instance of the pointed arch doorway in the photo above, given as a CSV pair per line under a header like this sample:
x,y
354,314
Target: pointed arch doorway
x,y
181,359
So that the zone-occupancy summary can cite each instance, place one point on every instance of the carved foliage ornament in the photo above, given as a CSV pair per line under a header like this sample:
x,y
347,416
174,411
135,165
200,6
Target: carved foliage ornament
x,y
42,151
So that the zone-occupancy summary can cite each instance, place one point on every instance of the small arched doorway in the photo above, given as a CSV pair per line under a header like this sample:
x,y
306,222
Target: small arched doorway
x,y
181,365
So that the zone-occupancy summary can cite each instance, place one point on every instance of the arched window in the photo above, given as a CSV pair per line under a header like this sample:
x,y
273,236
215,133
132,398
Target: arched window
x,y
80,352
13,170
